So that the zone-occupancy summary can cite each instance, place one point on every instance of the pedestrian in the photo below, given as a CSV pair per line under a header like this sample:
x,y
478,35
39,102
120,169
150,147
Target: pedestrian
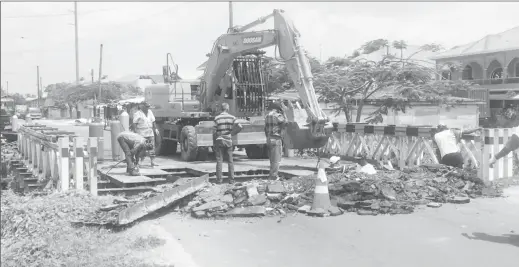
x,y
225,127
447,141
511,145
275,124
132,145
144,121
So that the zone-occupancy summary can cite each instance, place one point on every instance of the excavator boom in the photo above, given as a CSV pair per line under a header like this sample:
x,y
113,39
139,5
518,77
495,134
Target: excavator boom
x,y
286,37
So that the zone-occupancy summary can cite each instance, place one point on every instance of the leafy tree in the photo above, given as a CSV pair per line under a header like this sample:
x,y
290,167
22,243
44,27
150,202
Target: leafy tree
x,y
2,91
278,77
18,99
64,94
401,83
374,45
400,45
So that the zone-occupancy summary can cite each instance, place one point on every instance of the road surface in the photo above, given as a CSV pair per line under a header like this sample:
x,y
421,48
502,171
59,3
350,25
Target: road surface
x,y
483,233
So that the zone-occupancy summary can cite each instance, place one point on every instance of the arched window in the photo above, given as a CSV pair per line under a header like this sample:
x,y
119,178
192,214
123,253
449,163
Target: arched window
x,y
467,73
446,75
497,74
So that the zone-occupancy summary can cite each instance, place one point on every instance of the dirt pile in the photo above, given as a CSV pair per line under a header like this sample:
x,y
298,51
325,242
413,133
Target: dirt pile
x,y
398,192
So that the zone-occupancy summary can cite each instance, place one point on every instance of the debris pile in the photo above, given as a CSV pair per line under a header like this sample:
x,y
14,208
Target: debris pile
x,y
255,198
398,192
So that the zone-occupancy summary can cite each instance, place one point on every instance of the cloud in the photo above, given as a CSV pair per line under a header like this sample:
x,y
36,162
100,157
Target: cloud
x,y
137,35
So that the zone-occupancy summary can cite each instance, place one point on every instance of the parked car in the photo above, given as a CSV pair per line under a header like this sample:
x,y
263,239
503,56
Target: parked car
x,y
35,113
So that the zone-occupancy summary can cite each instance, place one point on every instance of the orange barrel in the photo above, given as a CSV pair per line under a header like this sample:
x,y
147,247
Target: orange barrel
x,y
96,129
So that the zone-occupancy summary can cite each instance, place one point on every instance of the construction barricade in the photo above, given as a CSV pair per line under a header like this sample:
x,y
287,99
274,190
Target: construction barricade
x,y
408,146
53,158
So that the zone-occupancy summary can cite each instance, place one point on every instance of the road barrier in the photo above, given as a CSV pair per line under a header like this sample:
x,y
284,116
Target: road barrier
x,y
56,158
408,146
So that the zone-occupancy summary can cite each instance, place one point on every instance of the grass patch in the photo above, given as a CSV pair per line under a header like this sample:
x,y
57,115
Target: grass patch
x,y
37,231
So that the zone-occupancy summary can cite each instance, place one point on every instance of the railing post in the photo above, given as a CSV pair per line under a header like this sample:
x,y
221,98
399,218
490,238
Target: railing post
x,y
63,146
78,172
92,172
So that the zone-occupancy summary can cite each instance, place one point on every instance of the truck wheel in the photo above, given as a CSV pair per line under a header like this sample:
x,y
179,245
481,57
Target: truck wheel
x,y
188,147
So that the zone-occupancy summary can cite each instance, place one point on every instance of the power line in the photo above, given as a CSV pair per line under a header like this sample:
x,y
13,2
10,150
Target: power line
x,y
57,15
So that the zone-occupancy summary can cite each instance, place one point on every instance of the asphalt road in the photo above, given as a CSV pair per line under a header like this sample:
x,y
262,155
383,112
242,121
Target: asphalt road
x,y
482,233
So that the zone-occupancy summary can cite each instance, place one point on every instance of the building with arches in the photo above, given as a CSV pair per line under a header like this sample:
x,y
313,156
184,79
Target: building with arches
x,y
491,62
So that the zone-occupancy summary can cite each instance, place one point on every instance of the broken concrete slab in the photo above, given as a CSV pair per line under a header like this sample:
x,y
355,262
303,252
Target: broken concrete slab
x,y
318,212
459,200
227,198
304,209
335,211
150,205
210,206
252,190
434,205
252,211
257,200
276,187
275,196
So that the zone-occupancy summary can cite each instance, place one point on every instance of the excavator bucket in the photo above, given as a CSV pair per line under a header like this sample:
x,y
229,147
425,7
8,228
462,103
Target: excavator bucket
x,y
300,136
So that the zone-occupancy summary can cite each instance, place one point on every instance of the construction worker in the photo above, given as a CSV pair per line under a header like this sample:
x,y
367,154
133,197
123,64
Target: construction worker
x,y
144,121
225,127
447,141
511,145
132,145
275,123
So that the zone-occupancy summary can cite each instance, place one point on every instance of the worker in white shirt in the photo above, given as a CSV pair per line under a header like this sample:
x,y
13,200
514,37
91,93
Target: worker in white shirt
x,y
511,145
144,122
447,141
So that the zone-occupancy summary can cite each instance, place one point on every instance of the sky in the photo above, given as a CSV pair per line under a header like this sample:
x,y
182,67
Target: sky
x,y
137,35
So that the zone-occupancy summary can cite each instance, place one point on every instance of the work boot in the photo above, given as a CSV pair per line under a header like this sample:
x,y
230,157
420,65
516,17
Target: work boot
x,y
153,164
135,172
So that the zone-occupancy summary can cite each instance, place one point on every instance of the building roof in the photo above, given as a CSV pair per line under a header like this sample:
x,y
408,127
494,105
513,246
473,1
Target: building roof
x,y
504,41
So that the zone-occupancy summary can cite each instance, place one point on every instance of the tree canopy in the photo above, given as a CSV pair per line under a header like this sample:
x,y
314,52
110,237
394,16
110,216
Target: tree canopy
x,y
395,82
71,94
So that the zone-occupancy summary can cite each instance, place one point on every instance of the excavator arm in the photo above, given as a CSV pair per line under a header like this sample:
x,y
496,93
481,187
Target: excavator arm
x,y
286,37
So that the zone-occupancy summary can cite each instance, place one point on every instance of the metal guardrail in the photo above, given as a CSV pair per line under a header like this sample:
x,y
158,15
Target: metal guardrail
x,y
59,156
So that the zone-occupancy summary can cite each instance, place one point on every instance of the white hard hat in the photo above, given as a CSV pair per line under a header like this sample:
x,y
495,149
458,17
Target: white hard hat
x,y
334,159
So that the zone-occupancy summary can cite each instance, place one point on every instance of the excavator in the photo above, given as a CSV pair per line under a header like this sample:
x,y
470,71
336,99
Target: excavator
x,y
235,74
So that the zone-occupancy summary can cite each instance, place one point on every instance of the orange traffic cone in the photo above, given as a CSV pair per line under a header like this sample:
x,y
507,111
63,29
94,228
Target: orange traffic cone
x,y
322,205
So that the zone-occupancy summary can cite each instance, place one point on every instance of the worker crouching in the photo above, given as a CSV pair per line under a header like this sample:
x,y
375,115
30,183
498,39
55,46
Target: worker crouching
x,y
275,124
447,141
132,145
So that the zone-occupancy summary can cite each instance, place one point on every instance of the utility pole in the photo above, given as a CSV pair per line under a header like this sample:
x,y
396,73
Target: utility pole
x,y
321,53
77,42
92,75
7,88
100,76
230,16
38,81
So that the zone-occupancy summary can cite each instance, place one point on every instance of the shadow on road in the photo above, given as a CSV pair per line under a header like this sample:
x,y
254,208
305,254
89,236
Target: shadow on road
x,y
503,239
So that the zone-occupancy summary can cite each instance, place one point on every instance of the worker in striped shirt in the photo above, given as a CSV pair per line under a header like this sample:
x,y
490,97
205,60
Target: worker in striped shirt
x,y
511,145
225,127
275,123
